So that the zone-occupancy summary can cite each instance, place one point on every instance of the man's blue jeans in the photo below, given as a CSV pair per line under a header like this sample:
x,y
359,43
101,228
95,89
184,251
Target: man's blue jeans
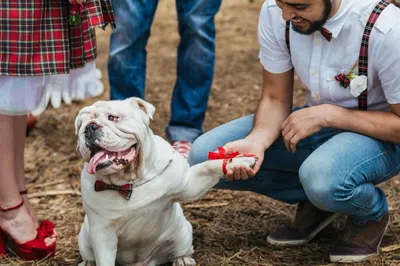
x,y
337,171
195,67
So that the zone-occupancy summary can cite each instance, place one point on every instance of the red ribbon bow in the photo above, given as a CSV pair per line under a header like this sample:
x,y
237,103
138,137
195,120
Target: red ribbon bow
x,y
124,190
221,154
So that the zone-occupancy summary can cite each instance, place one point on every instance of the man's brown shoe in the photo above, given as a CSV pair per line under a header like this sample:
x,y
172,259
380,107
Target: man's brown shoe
x,y
357,242
308,222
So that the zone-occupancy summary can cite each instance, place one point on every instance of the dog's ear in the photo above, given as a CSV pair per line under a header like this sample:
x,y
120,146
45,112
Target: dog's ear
x,y
78,124
146,107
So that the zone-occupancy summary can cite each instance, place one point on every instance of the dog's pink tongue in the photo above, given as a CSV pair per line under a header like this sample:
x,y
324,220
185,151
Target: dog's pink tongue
x,y
94,162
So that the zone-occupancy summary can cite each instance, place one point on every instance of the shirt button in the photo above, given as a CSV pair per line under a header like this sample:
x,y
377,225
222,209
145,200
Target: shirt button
x,y
316,96
317,43
314,72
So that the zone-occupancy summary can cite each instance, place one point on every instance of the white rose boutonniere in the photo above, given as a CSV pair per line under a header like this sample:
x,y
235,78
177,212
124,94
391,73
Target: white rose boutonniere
x,y
358,84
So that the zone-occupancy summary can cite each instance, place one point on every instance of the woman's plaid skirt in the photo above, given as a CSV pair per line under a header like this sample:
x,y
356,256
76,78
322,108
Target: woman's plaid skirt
x,y
36,38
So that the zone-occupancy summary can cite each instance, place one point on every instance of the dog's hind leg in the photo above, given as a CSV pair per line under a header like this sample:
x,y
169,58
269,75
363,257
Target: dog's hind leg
x,y
180,247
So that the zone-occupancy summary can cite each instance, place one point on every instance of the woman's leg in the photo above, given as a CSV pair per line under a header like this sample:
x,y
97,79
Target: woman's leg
x,y
17,223
19,170
9,195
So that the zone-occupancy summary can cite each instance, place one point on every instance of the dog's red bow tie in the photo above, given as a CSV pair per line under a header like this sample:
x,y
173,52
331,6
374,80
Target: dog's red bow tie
x,y
124,190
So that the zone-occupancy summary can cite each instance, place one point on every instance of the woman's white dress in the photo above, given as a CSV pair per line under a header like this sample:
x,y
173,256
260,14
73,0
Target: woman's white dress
x,y
22,95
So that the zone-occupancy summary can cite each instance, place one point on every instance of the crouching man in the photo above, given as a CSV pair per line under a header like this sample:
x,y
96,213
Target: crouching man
x,y
327,157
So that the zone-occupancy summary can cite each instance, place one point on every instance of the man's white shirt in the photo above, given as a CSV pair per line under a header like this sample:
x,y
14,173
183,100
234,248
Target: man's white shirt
x,y
317,61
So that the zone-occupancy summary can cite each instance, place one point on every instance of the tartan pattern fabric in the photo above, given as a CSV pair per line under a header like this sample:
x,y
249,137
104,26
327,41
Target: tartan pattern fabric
x,y
327,34
363,58
100,13
287,34
124,190
36,39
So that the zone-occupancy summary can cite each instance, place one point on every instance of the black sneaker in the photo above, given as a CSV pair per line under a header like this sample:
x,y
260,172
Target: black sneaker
x,y
358,243
308,222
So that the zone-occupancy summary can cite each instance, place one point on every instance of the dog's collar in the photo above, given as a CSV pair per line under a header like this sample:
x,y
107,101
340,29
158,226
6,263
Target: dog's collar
x,y
126,190
136,183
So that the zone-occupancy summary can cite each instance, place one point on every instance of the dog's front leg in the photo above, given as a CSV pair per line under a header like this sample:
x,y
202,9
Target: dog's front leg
x,y
104,246
203,176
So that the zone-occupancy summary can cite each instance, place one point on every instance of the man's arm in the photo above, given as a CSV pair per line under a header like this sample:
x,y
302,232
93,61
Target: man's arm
x,y
305,122
276,99
377,124
274,107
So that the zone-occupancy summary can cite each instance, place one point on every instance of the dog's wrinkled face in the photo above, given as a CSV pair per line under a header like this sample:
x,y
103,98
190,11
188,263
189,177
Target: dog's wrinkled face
x,y
110,134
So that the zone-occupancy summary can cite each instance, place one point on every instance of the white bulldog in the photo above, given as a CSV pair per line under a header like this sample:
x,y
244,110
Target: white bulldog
x,y
132,183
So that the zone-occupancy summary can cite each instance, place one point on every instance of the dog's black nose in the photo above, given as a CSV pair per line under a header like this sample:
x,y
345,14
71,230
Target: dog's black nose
x,y
92,127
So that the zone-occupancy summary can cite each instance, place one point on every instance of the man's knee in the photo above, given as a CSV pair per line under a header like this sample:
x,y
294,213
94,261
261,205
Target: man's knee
x,y
331,188
319,184
198,17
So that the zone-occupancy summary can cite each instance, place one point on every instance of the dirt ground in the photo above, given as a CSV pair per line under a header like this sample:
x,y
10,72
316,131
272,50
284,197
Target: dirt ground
x,y
230,228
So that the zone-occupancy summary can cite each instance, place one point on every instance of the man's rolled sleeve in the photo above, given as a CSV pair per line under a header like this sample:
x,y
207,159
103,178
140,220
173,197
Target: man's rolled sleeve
x,y
387,58
274,55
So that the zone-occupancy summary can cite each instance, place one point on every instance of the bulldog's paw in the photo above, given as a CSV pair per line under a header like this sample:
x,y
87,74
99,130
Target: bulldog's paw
x,y
184,261
246,161
87,263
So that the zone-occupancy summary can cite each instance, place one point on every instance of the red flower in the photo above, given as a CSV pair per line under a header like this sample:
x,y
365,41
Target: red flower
x,y
343,79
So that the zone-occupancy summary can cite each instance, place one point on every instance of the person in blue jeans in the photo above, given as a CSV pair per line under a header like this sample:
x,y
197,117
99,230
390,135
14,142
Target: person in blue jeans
x,y
328,156
195,66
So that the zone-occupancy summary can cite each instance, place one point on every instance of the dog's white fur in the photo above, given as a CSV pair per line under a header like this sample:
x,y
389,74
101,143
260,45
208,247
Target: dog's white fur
x,y
150,228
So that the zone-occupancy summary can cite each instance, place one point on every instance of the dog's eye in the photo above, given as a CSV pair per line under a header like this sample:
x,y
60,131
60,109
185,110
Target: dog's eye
x,y
112,118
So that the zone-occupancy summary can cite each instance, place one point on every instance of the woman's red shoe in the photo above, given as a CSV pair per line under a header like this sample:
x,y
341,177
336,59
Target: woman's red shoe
x,y
35,249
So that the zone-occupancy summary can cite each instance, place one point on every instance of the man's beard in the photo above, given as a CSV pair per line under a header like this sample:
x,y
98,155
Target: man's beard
x,y
317,25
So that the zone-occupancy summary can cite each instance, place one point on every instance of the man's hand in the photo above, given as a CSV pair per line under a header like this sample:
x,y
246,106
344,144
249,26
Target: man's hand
x,y
303,123
244,146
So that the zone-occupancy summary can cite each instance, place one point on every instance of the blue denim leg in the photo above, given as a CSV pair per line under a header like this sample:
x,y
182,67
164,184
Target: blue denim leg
x,y
278,176
195,68
340,176
127,60
338,170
